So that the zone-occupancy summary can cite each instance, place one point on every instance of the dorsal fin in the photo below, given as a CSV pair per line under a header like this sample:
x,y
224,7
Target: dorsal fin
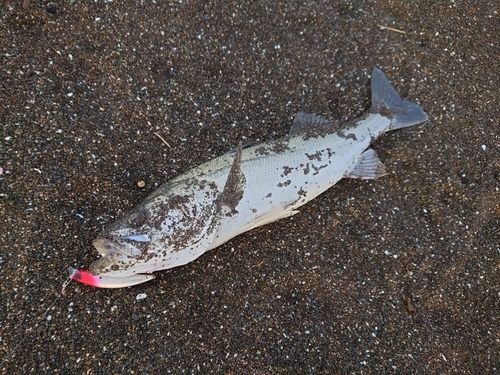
x,y
306,123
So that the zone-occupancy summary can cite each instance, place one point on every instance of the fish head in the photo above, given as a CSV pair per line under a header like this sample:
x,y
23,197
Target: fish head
x,y
127,247
165,231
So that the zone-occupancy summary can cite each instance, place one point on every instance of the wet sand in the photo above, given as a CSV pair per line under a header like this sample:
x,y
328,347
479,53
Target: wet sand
x,y
396,275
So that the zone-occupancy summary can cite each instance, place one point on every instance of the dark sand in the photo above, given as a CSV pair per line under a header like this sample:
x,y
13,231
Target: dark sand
x,y
84,86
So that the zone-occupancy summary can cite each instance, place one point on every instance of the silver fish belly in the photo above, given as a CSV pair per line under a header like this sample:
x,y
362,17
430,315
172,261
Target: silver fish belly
x,y
249,187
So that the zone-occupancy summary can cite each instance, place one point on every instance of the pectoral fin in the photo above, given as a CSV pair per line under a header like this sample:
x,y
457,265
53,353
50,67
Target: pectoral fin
x,y
272,217
368,166
234,186
231,195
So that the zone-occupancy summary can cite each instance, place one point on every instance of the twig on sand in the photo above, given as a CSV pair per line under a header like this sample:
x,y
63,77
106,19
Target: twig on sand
x,y
494,232
392,29
163,140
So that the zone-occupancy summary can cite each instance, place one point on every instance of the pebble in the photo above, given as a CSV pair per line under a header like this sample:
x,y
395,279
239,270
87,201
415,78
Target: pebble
x,y
51,8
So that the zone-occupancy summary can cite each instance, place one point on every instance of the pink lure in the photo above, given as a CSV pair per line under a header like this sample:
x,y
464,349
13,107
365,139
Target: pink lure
x,y
85,277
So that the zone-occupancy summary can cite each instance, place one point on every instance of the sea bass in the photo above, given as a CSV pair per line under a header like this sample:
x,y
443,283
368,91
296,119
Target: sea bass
x,y
244,189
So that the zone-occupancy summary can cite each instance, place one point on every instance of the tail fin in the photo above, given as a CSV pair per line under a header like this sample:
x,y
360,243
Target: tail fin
x,y
385,97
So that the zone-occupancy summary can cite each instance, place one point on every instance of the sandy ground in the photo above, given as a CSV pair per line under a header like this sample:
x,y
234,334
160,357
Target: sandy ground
x,y
84,87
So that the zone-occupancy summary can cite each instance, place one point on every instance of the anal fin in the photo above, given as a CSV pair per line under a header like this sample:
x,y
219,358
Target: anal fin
x,y
368,166
272,216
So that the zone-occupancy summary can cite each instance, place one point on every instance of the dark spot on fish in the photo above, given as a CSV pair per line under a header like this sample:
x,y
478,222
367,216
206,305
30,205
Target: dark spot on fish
x,y
287,171
315,156
283,184
280,147
302,192
262,151
269,195
306,169
351,136
316,169
277,147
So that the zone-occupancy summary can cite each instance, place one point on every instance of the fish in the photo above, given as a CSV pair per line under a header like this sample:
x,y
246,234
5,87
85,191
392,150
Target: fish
x,y
244,189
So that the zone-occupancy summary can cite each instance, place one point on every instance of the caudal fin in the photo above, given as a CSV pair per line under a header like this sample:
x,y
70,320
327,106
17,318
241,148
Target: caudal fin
x,y
386,98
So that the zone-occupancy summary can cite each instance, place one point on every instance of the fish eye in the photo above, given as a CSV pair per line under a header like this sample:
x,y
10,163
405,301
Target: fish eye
x,y
136,219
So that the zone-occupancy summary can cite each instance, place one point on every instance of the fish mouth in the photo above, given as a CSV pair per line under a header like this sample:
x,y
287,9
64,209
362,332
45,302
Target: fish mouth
x,y
116,268
122,256
114,264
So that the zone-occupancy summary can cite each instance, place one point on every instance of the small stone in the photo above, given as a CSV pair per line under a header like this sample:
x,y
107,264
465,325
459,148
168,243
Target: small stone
x,y
141,184
51,8
135,316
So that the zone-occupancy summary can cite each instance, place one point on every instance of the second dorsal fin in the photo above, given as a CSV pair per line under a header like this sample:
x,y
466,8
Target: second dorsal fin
x,y
304,123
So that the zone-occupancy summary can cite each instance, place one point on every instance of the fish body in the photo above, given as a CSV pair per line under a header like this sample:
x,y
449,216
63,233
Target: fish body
x,y
246,188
